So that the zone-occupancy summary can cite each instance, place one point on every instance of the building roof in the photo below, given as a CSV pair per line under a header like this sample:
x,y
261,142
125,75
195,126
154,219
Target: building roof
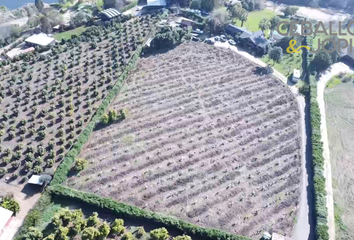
x,y
5,216
347,52
110,13
156,2
234,29
297,73
186,21
18,51
40,39
35,179
257,38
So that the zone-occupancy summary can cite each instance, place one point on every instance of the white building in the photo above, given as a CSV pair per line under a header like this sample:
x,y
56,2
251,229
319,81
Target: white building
x,y
5,219
40,40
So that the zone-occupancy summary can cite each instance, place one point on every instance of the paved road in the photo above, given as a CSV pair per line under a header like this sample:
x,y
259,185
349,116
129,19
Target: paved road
x,y
335,69
304,228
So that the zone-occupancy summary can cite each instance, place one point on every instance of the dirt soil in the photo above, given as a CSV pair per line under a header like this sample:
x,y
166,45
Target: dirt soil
x,y
207,140
340,122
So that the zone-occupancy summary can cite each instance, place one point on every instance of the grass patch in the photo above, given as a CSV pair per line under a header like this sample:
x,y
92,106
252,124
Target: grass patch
x,y
288,63
99,4
255,17
335,81
67,35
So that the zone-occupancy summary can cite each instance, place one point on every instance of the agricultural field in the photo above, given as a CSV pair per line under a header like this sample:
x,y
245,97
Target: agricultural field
x,y
340,121
46,100
206,140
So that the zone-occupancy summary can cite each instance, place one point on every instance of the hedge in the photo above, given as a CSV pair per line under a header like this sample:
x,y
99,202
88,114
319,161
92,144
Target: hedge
x,y
127,211
61,173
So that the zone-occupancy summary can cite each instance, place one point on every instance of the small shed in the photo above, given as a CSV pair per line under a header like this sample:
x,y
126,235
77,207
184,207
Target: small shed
x,y
40,40
296,75
109,13
36,180
5,219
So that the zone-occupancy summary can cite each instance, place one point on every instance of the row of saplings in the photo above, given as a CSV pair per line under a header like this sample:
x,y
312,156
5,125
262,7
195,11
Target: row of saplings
x,y
71,224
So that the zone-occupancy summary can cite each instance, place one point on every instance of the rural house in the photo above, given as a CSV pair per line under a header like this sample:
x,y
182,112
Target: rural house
x,y
255,41
233,30
347,56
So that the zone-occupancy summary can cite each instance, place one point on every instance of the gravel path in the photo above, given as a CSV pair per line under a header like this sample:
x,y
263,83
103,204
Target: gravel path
x,y
321,86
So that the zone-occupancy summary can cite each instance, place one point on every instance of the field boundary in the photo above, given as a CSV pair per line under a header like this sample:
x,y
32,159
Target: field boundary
x,y
129,211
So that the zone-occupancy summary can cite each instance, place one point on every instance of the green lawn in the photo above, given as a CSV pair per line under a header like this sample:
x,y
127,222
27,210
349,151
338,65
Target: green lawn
x,y
255,17
67,35
286,66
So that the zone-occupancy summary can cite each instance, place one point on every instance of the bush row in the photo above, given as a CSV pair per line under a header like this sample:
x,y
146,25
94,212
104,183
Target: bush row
x,y
317,150
318,165
127,211
64,168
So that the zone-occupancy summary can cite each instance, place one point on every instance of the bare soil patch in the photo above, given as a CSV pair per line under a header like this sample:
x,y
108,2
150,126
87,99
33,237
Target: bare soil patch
x,y
207,140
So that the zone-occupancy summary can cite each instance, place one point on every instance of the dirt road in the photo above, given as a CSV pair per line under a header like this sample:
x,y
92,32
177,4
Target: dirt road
x,y
26,197
304,227
334,70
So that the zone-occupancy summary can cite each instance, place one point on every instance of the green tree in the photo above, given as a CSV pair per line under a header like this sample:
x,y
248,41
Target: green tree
x,y
207,5
93,220
238,12
274,21
159,234
11,204
290,11
264,24
46,27
127,236
104,230
90,233
80,164
321,61
105,118
118,226
61,233
276,54
219,18
33,234
195,4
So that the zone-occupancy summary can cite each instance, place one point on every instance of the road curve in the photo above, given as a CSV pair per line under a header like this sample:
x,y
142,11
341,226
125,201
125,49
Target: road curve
x,y
335,69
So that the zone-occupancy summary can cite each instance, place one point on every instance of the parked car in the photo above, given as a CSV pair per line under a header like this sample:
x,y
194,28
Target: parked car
x,y
217,38
223,38
209,41
232,42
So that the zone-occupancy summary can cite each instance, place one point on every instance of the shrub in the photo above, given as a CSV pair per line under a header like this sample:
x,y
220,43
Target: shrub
x,y
127,236
89,233
11,204
3,171
117,227
159,234
93,220
37,169
104,230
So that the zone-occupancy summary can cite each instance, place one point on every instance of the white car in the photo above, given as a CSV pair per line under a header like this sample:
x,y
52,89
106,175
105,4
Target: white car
x,y
217,38
232,42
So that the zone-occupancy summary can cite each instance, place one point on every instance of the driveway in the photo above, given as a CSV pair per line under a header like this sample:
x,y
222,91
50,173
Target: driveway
x,y
335,69
304,228
26,197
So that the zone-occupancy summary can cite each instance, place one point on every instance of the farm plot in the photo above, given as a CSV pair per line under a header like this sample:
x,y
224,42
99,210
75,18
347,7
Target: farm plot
x,y
207,140
47,100
340,123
